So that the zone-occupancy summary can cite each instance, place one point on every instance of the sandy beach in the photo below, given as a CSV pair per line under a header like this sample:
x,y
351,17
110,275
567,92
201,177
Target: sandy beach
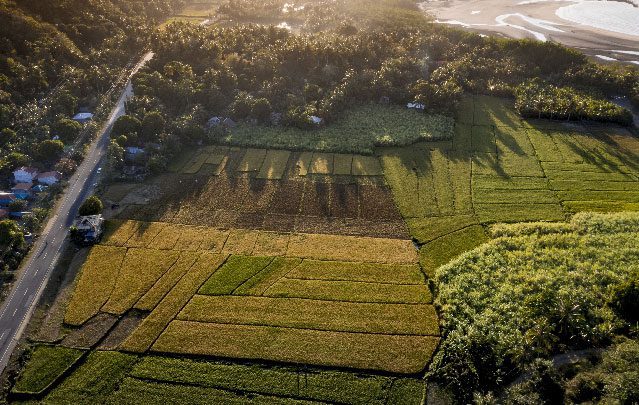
x,y
605,30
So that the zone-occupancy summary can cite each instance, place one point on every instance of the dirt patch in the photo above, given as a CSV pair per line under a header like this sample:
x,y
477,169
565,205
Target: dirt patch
x,y
125,326
89,334
245,202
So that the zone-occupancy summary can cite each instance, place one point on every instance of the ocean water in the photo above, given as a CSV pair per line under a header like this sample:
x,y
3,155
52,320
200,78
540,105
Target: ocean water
x,y
607,15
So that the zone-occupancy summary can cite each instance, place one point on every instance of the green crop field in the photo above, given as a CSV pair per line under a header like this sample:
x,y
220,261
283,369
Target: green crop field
x,y
359,130
114,378
499,168
46,364
244,309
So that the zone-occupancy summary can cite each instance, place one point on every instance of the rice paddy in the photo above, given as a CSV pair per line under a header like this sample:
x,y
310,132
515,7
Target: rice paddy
x,y
265,271
499,168
333,289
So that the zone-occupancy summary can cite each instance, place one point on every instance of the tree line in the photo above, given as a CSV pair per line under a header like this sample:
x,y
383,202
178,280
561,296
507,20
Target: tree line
x,y
255,73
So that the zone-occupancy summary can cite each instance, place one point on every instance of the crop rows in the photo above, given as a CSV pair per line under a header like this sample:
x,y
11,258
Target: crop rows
x,y
357,205
499,168
273,164
521,171
393,353
46,364
115,378
166,236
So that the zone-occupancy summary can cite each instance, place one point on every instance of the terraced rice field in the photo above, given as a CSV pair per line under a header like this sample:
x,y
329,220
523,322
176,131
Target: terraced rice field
x,y
273,276
272,190
234,290
498,168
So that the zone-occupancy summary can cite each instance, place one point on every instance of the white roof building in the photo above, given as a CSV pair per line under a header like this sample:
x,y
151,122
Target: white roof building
x,y
416,106
83,117
316,120
49,178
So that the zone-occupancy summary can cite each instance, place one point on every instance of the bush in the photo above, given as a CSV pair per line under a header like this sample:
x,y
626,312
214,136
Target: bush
x,y
17,205
533,296
67,129
625,299
91,206
537,99
542,384
125,125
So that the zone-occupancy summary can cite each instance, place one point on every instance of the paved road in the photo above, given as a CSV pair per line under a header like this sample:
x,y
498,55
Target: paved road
x,y
16,311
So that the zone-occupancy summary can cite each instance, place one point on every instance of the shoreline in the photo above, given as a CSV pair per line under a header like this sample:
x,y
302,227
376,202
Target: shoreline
x,y
535,19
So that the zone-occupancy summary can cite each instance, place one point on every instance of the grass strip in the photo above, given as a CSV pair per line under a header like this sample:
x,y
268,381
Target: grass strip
x,y
195,238
402,178
545,146
350,291
462,139
486,196
240,242
509,183
599,206
495,111
303,163
440,251
364,272
366,166
95,380
392,353
143,337
141,269
460,178
265,278
593,195
234,273
98,276
46,364
389,319
134,391
181,160
168,280
465,111
514,140
590,176
327,386
145,233
167,238
195,164
483,139
427,229
252,160
270,244
321,163
519,212
407,391
442,182
584,167
351,248
274,165
342,164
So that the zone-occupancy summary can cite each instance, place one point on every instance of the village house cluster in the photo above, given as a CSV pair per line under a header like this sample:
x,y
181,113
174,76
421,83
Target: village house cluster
x,y
28,182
